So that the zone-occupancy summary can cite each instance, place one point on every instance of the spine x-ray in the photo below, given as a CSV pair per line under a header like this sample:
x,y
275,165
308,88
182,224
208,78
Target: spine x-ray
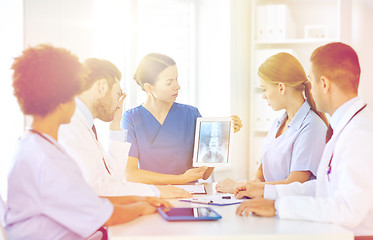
x,y
214,142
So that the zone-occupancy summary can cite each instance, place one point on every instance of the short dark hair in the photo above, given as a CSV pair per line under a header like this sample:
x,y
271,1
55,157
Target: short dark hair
x,y
101,69
150,67
44,77
338,62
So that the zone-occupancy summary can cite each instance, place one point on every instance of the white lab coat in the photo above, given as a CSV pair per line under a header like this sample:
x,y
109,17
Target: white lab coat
x,y
347,199
48,197
80,143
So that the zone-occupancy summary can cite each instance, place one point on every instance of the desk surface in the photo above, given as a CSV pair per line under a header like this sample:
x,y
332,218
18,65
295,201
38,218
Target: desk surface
x,y
229,226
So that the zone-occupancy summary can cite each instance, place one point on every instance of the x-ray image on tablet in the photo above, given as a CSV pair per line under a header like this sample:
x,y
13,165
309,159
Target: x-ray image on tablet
x,y
212,142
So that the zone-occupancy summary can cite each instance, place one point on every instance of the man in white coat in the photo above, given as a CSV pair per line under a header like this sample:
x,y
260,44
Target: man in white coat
x,y
343,191
102,98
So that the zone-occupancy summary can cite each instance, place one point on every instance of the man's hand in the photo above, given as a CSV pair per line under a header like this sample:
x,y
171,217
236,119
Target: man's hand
x,y
118,112
249,189
258,206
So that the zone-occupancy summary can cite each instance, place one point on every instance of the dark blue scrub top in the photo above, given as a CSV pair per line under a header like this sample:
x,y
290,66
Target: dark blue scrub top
x,y
166,148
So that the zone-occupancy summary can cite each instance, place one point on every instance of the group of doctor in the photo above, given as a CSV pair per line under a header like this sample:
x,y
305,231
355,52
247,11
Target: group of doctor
x,y
63,184
60,167
311,169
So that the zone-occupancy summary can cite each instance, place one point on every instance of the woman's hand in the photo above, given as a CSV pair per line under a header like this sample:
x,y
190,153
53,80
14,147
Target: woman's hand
x,y
237,124
194,174
255,179
173,192
226,186
144,208
157,202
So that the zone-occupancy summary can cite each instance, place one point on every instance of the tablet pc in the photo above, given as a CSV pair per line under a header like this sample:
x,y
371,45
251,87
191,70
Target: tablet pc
x,y
212,142
189,214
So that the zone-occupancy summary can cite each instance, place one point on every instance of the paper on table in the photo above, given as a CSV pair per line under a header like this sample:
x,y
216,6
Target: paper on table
x,y
220,200
196,188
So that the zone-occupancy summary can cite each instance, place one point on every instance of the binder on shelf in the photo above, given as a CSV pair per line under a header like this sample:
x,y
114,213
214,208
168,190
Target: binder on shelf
x,y
285,27
274,23
261,22
271,22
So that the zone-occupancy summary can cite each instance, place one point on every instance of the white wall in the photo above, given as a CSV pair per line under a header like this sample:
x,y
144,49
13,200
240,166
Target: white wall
x,y
239,88
11,121
213,57
66,23
362,42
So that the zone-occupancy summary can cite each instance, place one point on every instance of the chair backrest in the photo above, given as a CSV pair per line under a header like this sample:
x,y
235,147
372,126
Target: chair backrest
x,y
3,210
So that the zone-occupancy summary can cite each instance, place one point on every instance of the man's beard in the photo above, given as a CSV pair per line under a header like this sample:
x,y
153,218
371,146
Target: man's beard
x,y
102,108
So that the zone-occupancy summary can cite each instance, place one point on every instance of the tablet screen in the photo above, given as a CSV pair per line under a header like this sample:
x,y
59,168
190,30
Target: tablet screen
x,y
190,213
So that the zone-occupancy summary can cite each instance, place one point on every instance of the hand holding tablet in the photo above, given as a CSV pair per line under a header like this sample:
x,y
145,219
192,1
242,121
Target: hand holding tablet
x,y
189,214
212,142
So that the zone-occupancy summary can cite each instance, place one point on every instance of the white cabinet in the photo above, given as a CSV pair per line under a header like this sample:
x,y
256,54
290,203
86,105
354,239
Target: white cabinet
x,y
293,26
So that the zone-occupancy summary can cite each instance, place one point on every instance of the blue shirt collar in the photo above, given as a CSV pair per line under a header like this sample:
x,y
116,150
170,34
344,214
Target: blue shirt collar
x,y
85,111
338,114
297,121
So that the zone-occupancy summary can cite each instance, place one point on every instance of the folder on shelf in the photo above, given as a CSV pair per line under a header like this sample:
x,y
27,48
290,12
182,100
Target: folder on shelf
x,y
261,22
271,22
274,22
285,27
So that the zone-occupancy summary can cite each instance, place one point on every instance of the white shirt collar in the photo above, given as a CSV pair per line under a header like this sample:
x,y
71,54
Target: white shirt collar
x,y
299,117
85,111
338,114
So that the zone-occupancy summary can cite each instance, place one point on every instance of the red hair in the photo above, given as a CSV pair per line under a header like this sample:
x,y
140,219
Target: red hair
x,y
44,77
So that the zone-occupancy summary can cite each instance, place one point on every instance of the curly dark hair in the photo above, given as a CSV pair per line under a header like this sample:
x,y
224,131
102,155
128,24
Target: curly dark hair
x,y
44,77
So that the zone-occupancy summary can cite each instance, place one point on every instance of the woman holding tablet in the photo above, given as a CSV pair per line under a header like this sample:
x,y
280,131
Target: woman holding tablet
x,y
295,142
161,131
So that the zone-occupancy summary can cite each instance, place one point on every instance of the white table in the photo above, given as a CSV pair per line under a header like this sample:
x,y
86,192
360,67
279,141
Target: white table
x,y
229,227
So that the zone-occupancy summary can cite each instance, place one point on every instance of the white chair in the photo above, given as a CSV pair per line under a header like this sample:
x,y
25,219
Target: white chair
x,y
3,209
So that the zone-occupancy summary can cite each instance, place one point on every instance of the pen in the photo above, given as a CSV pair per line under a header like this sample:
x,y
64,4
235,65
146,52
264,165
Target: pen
x,y
201,201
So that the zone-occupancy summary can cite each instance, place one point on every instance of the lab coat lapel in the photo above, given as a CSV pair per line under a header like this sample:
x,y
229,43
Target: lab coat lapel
x,y
80,117
330,146
347,117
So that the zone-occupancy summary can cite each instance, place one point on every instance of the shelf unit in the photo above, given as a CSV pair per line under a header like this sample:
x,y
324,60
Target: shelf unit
x,y
293,26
